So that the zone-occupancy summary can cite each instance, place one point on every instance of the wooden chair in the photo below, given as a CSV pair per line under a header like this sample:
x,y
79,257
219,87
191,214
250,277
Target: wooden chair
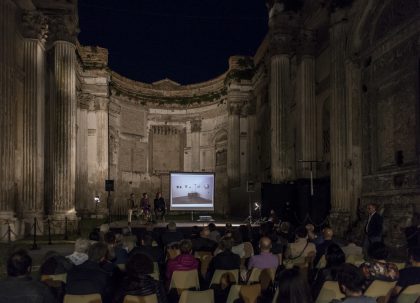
x,y
121,267
329,291
379,288
219,272
321,263
205,261
182,280
189,296
201,253
155,274
254,276
355,259
91,298
233,293
410,294
250,293
400,265
141,299
59,277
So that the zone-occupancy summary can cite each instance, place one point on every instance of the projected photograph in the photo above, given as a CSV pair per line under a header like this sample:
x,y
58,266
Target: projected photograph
x,y
192,191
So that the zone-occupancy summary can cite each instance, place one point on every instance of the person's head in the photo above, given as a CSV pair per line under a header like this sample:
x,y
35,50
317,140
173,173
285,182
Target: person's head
x,y
139,264
94,236
81,246
301,232
205,232
328,233
185,246
284,227
158,195
414,254
145,195
171,226
236,236
110,238
226,244
265,244
212,226
310,228
371,208
19,263
293,288
104,228
334,256
98,252
128,242
272,212
147,240
378,251
351,280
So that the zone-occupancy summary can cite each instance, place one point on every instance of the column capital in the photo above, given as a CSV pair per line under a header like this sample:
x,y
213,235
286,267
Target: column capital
x,y
307,42
235,108
195,125
63,27
283,32
101,103
34,25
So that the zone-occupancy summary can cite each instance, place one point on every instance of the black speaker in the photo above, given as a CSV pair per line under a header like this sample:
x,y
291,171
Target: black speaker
x,y
109,185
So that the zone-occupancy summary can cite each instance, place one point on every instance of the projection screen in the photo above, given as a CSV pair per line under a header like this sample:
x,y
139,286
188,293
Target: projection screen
x,y
192,191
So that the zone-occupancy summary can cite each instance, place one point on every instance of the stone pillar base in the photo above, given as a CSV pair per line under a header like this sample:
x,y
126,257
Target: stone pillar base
x,y
340,222
10,227
62,221
29,222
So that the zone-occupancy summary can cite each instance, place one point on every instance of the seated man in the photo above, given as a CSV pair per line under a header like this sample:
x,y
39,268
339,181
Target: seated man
x,y
171,235
159,206
410,275
153,252
301,247
265,259
321,248
351,283
183,262
226,259
204,243
81,247
19,286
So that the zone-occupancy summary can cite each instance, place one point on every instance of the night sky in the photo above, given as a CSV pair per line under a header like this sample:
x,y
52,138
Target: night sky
x,y
188,41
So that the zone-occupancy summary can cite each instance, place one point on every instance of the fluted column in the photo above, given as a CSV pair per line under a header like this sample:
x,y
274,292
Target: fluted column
x,y
7,108
306,104
233,153
340,200
63,122
81,156
252,143
195,145
33,108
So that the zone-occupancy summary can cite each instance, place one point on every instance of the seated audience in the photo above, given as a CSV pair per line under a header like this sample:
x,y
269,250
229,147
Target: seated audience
x,y
292,287
122,251
226,259
214,234
90,277
238,246
327,234
351,283
378,268
110,240
410,275
301,247
195,232
81,247
153,252
19,286
285,232
138,281
334,257
312,236
265,259
171,235
352,249
184,261
204,243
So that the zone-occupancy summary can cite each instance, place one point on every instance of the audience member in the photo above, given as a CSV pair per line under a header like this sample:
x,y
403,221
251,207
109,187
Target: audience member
x,y
312,236
378,268
110,240
285,232
214,234
138,281
327,234
238,245
19,286
54,264
292,287
301,247
410,275
184,261
204,243
153,252
122,251
81,247
373,227
226,259
412,232
171,235
195,232
265,259
351,283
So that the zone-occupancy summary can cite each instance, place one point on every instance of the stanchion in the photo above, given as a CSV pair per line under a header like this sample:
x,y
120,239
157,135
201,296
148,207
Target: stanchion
x,y
66,236
34,245
9,233
49,231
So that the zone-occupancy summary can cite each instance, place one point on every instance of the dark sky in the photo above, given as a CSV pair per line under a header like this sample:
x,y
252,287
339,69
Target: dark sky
x,y
188,41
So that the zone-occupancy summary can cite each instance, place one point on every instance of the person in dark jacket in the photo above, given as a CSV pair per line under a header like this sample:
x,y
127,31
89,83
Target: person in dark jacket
x,y
373,227
225,259
19,286
138,281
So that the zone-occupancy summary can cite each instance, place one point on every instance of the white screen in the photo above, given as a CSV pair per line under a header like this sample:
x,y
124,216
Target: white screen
x,y
192,191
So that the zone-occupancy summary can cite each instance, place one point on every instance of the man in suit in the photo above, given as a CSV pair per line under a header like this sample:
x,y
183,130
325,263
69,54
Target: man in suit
x,y
373,227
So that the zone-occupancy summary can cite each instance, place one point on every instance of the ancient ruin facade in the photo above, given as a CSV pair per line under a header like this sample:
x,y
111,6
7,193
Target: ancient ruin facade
x,y
333,82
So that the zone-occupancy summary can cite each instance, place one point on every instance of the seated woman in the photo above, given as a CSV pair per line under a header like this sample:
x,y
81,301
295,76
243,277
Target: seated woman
x,y
378,268
335,257
292,287
138,281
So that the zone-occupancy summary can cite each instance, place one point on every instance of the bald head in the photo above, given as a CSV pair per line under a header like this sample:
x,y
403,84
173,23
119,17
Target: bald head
x,y
265,244
205,232
328,233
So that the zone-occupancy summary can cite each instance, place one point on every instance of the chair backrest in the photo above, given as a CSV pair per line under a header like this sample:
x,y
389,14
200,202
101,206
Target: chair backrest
x,y
155,274
400,265
329,291
58,277
185,280
201,253
91,298
410,294
254,276
219,272
250,293
355,259
233,293
379,288
189,296
205,261
322,262
141,299
121,267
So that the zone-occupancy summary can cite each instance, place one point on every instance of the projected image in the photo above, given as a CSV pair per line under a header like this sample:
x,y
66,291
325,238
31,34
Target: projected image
x,y
192,191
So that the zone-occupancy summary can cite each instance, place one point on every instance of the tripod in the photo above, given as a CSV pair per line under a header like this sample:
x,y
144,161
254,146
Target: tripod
x,y
249,218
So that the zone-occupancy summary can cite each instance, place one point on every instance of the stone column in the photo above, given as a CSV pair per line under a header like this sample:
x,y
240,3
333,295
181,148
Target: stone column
x,y
233,152
340,201
195,145
35,30
8,73
252,142
306,104
63,136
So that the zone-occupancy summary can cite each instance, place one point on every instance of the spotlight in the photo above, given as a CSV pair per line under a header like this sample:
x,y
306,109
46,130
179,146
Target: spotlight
x,y
97,199
257,205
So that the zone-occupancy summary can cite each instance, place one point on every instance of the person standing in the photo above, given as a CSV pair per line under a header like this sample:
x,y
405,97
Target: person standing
x,y
159,206
145,206
373,227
